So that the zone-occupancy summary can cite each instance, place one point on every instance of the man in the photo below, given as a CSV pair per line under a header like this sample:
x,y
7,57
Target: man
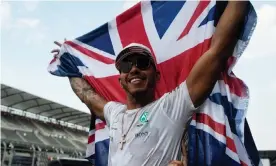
x,y
145,131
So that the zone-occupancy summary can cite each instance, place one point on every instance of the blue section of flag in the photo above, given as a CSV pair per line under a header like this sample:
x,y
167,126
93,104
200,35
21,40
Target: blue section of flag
x,y
101,39
199,156
68,66
101,151
163,15
251,20
231,110
209,17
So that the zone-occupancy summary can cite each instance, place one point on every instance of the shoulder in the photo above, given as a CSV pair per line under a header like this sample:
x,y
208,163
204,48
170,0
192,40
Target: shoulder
x,y
113,106
180,90
179,96
112,110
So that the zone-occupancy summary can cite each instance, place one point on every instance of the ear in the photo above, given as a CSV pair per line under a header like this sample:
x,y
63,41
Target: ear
x,y
119,79
157,75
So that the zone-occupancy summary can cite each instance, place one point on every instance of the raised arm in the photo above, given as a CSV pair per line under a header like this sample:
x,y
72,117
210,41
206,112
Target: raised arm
x,y
85,92
206,71
88,96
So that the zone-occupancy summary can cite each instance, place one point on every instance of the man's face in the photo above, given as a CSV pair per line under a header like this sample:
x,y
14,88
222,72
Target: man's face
x,y
141,77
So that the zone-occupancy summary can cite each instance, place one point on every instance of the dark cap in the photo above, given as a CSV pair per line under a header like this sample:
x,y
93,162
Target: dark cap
x,y
134,48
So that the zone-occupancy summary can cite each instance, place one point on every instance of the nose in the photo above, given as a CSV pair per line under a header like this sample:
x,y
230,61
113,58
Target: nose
x,y
134,70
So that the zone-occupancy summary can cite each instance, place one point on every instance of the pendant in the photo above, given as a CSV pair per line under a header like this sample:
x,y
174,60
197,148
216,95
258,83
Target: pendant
x,y
122,142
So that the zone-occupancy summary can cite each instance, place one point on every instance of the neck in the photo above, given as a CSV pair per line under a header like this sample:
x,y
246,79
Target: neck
x,y
139,101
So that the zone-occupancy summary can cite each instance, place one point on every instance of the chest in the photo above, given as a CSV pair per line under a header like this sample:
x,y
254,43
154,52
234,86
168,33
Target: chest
x,y
139,131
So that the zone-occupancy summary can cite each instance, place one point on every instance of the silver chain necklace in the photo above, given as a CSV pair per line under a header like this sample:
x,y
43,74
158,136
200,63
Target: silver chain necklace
x,y
123,138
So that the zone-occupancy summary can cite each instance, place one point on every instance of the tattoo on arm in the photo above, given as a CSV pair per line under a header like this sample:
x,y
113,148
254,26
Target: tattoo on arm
x,y
80,87
88,95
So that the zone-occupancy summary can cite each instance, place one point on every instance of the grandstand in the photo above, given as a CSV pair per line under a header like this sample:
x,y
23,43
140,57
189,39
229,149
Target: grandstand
x,y
35,131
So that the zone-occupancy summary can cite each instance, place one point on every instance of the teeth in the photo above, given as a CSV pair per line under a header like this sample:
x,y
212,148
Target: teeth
x,y
135,79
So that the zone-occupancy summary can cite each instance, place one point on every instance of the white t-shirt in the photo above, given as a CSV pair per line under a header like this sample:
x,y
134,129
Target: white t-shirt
x,y
154,138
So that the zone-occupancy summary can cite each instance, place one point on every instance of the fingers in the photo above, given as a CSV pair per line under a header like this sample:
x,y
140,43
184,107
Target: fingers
x,y
175,163
57,43
55,51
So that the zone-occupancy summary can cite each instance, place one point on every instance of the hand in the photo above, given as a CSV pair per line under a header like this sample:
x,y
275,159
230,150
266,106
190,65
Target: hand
x,y
56,51
176,163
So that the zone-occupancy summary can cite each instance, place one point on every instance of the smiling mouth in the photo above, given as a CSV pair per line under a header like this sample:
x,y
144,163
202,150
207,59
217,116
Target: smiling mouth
x,y
135,80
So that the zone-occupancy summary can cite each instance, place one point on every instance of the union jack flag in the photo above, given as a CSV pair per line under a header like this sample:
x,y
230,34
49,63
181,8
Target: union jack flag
x,y
178,33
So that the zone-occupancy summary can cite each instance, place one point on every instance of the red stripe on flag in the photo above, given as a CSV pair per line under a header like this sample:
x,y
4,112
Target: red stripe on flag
x,y
230,61
100,126
231,144
91,138
243,163
90,53
207,120
201,6
236,85
175,70
104,86
53,60
217,127
131,27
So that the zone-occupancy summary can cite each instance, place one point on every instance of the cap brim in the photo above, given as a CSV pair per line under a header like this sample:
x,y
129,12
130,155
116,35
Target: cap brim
x,y
133,50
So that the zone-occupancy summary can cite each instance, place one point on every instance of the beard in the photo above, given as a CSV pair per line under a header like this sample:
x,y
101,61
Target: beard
x,y
140,92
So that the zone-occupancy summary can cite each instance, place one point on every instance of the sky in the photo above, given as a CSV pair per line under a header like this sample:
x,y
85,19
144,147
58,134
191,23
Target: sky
x,y
28,29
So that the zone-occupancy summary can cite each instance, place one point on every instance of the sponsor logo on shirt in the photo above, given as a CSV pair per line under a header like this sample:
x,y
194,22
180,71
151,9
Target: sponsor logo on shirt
x,y
144,117
139,125
141,134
